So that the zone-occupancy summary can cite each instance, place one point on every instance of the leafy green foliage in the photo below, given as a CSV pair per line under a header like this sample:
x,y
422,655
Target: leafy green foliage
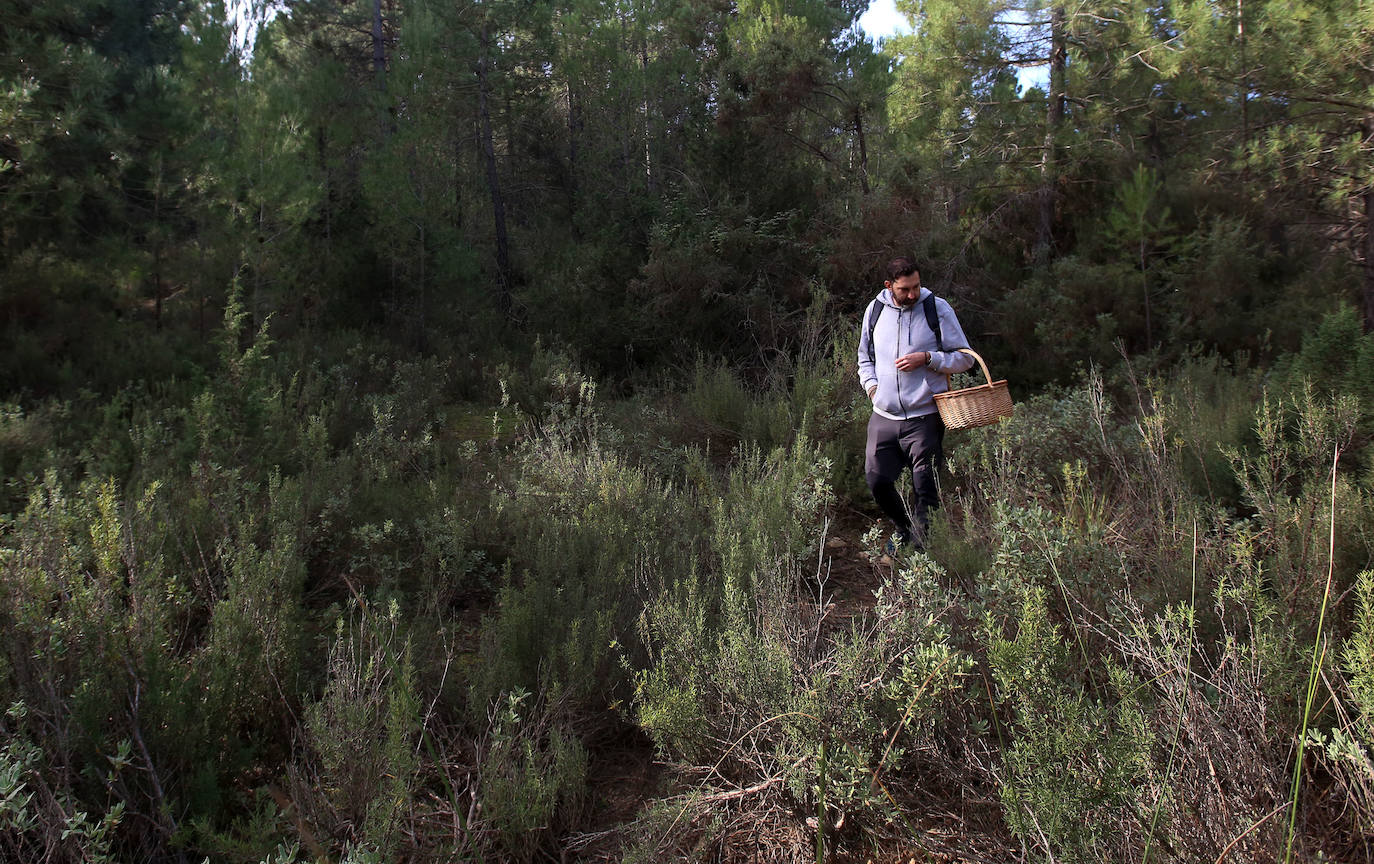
x,y
1074,763
519,339
361,732
1358,652
533,778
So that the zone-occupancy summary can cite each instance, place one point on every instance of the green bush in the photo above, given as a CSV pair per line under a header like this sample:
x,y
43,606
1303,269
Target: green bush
x,y
361,736
186,543
113,644
1337,357
1074,762
1023,458
1287,478
1359,659
586,535
38,821
719,407
747,687
533,776
1210,407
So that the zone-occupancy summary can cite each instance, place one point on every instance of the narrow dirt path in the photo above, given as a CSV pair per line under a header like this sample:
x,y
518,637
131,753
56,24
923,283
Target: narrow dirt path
x,y
850,579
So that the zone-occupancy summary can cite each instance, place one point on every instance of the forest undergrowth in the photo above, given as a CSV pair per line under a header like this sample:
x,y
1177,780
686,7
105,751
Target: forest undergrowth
x,y
429,432
375,610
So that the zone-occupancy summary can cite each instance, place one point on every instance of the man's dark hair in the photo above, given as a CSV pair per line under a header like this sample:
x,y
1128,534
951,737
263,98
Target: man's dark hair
x,y
899,267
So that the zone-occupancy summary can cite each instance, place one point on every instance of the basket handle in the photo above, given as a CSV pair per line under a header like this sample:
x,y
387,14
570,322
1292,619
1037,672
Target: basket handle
x,y
987,376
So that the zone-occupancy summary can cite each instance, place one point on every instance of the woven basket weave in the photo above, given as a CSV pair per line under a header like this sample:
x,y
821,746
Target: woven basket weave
x,y
974,406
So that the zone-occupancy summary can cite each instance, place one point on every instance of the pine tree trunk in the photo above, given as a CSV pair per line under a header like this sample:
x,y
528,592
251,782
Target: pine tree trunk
x,y
378,46
1244,74
1145,289
1054,119
1369,241
863,150
625,104
157,246
322,152
200,290
498,202
258,265
574,120
422,335
644,102
157,283
457,181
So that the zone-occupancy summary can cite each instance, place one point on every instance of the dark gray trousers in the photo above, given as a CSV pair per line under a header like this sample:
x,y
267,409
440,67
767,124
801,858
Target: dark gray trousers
x,y
896,444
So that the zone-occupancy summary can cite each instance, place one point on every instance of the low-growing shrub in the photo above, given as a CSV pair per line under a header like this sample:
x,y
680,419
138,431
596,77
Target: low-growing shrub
x,y
361,736
1074,761
533,773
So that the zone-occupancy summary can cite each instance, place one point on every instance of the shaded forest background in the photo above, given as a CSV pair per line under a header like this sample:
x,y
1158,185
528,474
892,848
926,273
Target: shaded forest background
x,y
431,432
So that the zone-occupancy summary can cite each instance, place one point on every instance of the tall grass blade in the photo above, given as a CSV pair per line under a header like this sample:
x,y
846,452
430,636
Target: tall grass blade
x,y
820,812
1183,712
1317,655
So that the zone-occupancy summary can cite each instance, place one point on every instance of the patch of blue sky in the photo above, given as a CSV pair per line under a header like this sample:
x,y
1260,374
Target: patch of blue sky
x,y
883,21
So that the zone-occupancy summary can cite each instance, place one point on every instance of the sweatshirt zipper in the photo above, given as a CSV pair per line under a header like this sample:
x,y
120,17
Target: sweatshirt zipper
x,y
897,347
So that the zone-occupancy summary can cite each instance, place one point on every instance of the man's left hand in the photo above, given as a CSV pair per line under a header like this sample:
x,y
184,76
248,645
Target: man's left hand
x,y
913,361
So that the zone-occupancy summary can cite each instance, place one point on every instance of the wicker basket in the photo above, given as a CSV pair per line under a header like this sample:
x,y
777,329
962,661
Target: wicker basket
x,y
974,406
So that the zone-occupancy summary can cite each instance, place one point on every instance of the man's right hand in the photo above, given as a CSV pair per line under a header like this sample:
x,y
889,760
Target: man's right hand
x,y
871,391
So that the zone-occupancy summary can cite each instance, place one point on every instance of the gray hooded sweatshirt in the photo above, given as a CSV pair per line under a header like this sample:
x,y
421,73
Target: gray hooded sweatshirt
x,y
903,395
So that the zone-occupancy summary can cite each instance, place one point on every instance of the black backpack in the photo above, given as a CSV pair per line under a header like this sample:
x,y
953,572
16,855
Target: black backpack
x,y
932,320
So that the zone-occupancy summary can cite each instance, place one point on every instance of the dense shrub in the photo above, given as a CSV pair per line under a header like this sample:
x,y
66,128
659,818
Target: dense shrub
x,y
387,608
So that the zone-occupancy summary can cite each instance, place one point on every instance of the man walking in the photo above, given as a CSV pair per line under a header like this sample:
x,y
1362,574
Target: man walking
x,y
907,345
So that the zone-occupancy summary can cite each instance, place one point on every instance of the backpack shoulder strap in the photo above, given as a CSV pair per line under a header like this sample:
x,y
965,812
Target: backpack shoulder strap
x,y
932,320
875,309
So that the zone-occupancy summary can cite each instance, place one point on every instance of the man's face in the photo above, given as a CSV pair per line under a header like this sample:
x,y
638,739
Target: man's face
x,y
905,289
